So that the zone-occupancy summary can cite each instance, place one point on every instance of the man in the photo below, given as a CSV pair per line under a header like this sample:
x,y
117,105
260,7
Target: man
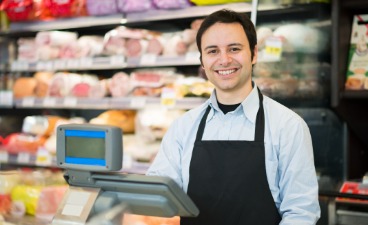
x,y
242,157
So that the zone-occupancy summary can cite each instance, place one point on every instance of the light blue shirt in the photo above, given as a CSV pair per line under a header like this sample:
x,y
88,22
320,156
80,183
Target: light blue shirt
x,y
288,152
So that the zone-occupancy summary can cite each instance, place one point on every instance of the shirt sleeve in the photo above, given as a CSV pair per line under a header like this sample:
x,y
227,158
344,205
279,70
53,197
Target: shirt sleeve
x,y
298,181
167,161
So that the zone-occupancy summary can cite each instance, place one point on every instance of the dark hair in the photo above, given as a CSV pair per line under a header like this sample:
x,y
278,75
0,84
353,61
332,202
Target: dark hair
x,y
228,16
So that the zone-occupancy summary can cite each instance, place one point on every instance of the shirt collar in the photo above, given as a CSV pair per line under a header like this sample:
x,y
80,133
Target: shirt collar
x,y
250,105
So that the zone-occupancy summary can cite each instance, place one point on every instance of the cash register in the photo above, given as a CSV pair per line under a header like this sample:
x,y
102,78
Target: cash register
x,y
91,156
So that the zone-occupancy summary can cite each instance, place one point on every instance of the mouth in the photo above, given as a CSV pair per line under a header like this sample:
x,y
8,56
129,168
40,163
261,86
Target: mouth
x,y
226,72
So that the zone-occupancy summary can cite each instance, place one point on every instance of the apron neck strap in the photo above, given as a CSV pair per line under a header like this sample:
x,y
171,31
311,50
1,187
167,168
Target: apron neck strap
x,y
259,132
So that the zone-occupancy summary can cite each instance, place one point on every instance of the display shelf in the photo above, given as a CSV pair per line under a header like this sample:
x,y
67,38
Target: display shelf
x,y
350,94
195,11
115,62
121,19
105,103
24,159
27,159
106,62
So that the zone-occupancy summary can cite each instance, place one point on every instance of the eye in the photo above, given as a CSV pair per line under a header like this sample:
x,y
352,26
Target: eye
x,y
212,51
235,49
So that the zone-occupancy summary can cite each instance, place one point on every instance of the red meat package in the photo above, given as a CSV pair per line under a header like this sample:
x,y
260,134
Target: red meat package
x,y
18,10
66,8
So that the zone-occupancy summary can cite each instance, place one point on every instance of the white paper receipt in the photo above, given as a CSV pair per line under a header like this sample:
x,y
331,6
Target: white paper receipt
x,y
75,203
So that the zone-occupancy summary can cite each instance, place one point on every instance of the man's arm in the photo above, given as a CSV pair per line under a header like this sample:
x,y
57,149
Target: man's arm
x,y
168,159
298,181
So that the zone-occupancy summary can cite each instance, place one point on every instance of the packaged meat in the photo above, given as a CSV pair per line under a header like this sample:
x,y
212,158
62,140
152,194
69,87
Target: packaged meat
x,y
172,4
40,125
89,46
28,195
119,85
55,38
8,180
43,82
135,47
24,87
62,84
49,200
20,142
115,40
125,119
66,8
18,10
99,8
27,50
216,2
302,38
175,45
153,77
153,122
127,6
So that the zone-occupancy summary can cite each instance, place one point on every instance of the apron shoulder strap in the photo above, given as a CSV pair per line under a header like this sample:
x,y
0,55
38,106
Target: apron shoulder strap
x,y
260,120
202,124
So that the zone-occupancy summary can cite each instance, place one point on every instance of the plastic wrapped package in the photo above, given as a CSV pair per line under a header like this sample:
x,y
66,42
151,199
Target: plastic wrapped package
x,y
40,125
39,193
24,87
216,2
119,85
153,122
18,10
125,119
302,38
8,180
172,4
99,8
127,6
20,142
66,8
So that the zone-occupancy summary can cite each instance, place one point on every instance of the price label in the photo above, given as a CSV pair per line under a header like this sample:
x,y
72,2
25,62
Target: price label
x,y
70,102
49,66
59,64
168,97
15,66
24,66
41,66
86,62
43,157
148,59
273,49
192,57
6,98
138,102
24,157
72,64
28,102
4,156
117,60
49,102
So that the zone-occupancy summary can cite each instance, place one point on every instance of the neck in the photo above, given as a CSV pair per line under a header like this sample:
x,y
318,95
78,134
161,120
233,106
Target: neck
x,y
230,98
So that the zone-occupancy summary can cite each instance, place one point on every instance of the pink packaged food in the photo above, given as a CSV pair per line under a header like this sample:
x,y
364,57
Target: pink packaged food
x,y
171,4
134,5
98,8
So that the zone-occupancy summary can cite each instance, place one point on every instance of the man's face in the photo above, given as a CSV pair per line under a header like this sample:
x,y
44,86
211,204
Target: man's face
x,y
226,58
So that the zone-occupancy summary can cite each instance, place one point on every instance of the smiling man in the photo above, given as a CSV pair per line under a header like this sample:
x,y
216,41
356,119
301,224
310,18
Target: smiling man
x,y
242,157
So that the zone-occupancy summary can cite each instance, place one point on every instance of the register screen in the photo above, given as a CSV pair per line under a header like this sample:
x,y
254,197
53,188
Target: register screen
x,y
85,147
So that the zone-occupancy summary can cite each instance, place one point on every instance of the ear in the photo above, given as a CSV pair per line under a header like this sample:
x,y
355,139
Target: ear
x,y
255,55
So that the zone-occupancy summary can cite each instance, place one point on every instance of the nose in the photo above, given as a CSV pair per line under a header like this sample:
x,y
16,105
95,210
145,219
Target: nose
x,y
225,59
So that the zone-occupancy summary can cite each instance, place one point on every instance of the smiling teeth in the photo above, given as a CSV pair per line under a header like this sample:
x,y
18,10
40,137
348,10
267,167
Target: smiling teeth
x,y
225,72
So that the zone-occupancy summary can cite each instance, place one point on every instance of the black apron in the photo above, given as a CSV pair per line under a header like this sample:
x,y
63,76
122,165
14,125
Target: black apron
x,y
228,181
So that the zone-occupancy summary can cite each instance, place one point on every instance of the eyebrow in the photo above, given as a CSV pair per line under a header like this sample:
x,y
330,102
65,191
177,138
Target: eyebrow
x,y
230,45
